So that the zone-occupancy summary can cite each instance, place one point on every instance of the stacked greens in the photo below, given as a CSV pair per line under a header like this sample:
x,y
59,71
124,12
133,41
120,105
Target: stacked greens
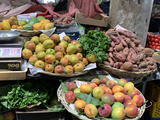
x,y
95,42
23,94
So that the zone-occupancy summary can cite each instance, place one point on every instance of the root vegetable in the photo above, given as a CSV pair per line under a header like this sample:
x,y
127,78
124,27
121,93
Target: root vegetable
x,y
148,52
150,59
110,49
110,55
112,44
128,40
116,65
141,56
137,42
119,47
126,51
143,64
119,56
115,39
126,66
110,61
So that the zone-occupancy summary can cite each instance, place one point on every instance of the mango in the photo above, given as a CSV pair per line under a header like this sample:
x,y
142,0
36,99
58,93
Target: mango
x,y
6,25
22,22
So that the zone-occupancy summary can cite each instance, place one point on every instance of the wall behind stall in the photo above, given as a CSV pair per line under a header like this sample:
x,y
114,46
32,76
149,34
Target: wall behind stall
x,y
133,15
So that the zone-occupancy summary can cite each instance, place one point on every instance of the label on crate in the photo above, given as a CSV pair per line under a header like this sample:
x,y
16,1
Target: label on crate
x,y
10,52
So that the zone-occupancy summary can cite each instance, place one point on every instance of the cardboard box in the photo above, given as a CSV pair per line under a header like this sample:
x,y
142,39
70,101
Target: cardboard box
x,y
99,20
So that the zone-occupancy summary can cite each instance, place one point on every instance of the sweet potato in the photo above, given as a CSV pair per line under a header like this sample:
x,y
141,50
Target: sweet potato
x,y
106,63
127,33
110,61
115,39
132,45
150,59
119,56
140,48
135,69
112,44
137,42
126,51
128,40
109,31
118,47
141,56
110,49
116,65
114,59
148,52
110,54
133,57
143,64
126,66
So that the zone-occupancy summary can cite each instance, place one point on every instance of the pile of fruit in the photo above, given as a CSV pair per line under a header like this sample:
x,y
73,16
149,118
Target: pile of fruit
x,y
35,23
55,55
153,41
104,98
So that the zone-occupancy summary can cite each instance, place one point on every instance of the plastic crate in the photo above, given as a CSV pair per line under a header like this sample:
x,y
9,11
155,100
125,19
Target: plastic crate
x,y
153,90
151,118
154,110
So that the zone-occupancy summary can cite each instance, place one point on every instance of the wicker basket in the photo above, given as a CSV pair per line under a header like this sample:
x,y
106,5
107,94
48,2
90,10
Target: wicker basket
x,y
65,75
61,97
124,73
29,33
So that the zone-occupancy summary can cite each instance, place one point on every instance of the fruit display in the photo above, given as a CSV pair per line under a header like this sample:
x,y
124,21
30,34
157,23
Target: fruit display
x,y
34,23
126,52
153,41
54,55
102,98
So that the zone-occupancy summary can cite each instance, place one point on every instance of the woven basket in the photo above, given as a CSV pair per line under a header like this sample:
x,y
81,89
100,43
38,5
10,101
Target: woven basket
x,y
124,73
65,75
61,97
29,33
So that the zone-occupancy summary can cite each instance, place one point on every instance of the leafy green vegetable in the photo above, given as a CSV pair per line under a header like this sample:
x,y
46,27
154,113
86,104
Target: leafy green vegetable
x,y
95,42
89,99
22,94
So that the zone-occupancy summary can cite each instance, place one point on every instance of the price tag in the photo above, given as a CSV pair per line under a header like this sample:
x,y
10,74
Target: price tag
x,y
79,83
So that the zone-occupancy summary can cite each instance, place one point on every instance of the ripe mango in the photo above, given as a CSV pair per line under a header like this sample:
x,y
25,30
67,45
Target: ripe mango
x,y
6,25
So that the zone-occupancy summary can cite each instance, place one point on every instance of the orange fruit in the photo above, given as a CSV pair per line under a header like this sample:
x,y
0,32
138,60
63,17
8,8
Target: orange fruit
x,y
90,111
85,88
79,105
129,86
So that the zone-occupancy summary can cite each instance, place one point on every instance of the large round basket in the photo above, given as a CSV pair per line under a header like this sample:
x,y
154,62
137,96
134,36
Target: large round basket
x,y
65,75
29,33
61,98
124,73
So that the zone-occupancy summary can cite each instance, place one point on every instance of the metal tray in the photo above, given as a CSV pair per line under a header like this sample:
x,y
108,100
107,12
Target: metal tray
x,y
10,36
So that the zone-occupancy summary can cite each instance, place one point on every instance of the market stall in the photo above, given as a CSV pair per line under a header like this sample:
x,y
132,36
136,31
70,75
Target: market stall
x,y
72,63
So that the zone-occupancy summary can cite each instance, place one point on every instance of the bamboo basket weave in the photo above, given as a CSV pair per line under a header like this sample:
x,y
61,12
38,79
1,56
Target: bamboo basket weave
x,y
61,98
124,73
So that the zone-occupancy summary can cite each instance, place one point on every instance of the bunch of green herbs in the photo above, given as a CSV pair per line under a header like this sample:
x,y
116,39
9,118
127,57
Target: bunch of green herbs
x,y
95,42
22,94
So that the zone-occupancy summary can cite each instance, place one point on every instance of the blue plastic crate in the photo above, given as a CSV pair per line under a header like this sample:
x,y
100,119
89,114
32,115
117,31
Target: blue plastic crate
x,y
151,118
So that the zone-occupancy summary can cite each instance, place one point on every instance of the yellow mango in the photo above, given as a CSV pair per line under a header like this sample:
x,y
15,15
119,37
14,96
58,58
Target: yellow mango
x,y
6,25
14,26
38,26
45,21
49,26
20,27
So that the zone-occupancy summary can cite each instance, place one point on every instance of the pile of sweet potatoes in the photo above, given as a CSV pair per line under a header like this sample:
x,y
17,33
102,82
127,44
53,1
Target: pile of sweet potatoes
x,y
127,53
64,21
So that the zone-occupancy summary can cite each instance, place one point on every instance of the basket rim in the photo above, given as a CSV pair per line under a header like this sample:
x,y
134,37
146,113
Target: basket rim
x,y
107,66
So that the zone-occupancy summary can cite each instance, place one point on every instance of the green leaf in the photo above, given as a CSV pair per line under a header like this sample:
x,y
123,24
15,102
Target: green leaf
x,y
89,99
64,87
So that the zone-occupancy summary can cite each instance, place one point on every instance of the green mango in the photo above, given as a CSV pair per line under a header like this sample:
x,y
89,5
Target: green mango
x,y
39,18
32,21
22,22
27,27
